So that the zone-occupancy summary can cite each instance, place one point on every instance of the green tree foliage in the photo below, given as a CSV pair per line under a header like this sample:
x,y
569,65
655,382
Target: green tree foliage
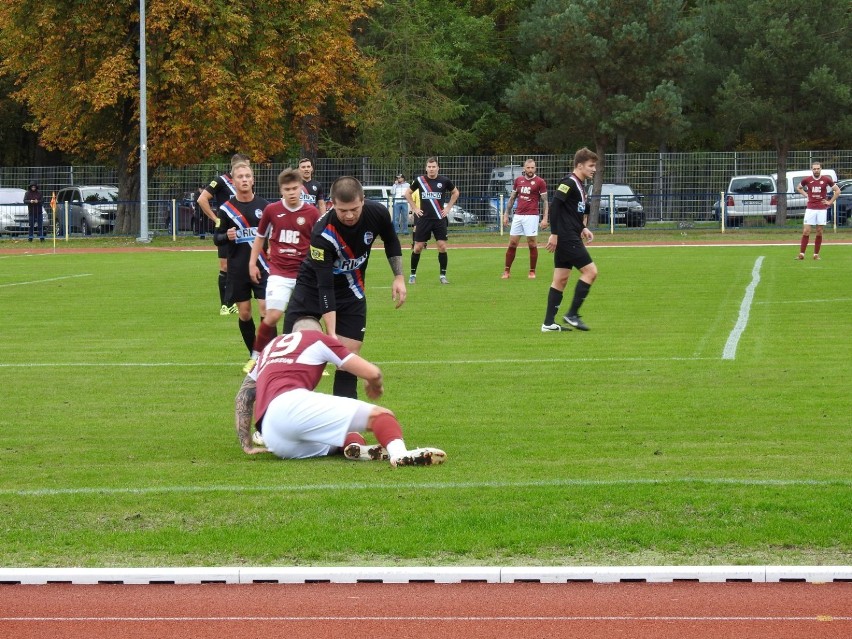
x,y
256,77
433,61
599,69
782,72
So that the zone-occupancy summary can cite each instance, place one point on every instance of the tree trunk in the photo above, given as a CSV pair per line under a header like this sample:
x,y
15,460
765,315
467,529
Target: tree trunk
x,y
127,220
783,147
600,149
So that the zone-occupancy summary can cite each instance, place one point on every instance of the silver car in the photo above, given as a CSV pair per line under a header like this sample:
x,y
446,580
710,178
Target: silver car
x,y
87,208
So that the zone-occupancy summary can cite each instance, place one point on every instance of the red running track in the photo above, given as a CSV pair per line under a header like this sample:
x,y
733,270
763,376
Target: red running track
x,y
464,611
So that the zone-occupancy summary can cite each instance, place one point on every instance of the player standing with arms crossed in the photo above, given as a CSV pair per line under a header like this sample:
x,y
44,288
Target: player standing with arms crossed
x,y
287,224
528,189
567,242
816,189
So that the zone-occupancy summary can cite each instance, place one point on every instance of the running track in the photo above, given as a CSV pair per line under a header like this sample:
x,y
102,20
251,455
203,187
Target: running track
x,y
464,611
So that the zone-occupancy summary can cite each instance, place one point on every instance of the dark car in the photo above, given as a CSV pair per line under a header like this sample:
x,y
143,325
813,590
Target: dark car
x,y
844,202
186,212
628,208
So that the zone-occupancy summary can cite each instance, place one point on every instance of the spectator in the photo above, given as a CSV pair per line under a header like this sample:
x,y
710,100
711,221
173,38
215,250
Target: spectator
x,y
400,204
35,211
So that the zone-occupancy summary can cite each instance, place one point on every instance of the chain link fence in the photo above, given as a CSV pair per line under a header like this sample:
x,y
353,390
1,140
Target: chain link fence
x,y
675,189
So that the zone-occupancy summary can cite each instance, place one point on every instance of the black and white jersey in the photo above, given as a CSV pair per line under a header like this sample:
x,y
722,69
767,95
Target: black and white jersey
x,y
568,207
312,192
244,217
433,194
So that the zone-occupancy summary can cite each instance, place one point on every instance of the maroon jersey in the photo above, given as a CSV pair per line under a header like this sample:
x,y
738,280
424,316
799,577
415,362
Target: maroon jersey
x,y
529,192
289,233
817,189
291,361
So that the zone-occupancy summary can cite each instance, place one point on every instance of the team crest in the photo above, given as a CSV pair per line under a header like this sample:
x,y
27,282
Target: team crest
x,y
258,213
300,220
440,186
368,237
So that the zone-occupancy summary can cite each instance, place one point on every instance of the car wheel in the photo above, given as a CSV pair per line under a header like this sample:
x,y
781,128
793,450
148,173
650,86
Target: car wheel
x,y
85,227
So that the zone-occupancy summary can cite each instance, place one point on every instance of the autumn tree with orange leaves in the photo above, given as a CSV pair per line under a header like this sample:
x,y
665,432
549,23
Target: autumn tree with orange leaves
x,y
255,77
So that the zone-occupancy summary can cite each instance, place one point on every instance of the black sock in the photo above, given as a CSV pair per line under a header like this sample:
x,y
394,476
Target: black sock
x,y
580,292
223,278
415,260
442,262
345,384
554,299
247,331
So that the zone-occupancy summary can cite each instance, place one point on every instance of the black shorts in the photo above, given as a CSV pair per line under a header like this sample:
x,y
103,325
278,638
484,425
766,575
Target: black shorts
x,y
571,252
223,251
240,287
351,312
426,227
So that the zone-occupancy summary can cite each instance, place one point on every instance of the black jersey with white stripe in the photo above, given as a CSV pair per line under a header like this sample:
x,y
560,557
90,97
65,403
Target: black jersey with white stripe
x,y
433,194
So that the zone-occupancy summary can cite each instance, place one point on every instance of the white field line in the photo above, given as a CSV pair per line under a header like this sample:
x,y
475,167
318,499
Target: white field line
x,y
50,279
356,486
435,619
835,300
459,362
730,350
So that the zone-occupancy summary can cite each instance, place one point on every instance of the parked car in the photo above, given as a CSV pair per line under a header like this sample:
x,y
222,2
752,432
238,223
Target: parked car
x,y
500,183
12,208
185,212
628,209
844,202
750,196
796,202
89,208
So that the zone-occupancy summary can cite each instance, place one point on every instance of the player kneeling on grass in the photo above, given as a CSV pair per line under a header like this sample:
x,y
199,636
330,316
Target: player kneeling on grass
x,y
298,422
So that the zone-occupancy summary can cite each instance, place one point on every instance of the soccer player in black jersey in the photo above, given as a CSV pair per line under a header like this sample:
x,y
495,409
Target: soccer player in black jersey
x,y
330,284
236,228
219,191
568,237
312,191
431,216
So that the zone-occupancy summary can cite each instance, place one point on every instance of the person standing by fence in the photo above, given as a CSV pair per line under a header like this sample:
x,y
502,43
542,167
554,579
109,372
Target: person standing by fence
x,y
34,201
816,189
400,204
528,189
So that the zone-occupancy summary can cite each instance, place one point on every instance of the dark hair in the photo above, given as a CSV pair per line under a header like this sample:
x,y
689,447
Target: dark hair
x,y
238,157
306,160
584,155
432,160
288,176
346,189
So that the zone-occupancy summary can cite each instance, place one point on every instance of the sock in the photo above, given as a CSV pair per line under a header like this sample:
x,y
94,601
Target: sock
x,y
354,438
442,262
580,292
345,385
510,256
388,432
222,279
265,334
247,331
817,244
554,299
415,260
804,244
533,257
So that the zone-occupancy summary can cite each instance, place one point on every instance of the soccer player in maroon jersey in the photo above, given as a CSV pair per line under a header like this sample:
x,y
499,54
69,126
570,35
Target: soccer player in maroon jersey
x,y
297,422
816,189
528,189
287,225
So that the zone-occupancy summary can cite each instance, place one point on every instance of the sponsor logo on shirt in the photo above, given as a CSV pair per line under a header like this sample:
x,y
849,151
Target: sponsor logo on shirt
x,y
317,254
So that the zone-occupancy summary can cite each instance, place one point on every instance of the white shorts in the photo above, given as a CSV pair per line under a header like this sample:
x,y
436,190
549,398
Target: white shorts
x,y
816,217
302,423
278,291
524,225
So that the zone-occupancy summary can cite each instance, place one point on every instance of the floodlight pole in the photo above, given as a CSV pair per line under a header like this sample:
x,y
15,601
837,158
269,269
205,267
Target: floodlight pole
x,y
143,130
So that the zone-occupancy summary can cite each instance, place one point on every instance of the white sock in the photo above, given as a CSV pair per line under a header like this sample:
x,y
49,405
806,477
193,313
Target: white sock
x,y
396,448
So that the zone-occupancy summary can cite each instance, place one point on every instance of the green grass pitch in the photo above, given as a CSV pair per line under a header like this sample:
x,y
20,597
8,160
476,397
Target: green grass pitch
x,y
634,443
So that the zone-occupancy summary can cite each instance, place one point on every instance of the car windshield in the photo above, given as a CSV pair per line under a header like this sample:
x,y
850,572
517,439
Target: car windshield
x,y
95,196
747,186
616,189
374,192
12,196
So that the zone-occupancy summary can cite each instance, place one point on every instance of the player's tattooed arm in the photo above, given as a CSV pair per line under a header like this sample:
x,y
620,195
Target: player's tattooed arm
x,y
396,265
244,403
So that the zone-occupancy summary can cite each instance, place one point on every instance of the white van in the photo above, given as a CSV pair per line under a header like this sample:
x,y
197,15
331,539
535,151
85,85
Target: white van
x,y
796,202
